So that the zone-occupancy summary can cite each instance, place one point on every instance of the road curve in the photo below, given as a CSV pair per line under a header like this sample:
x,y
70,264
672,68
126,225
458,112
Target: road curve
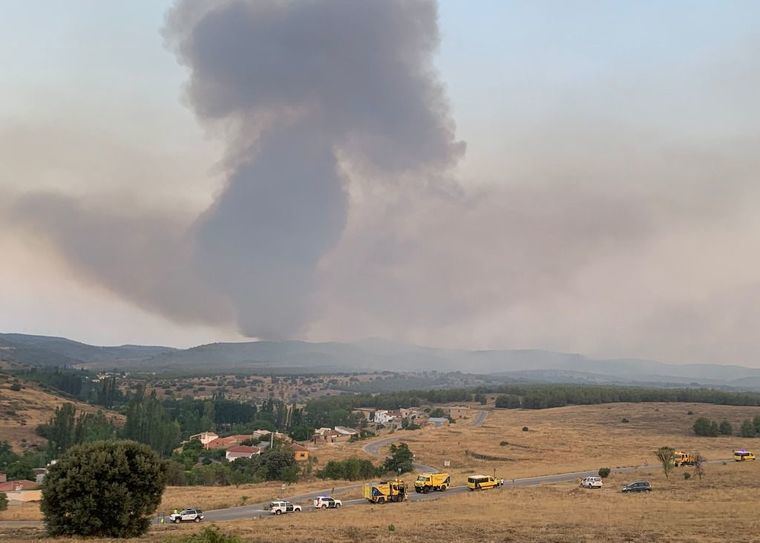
x,y
373,449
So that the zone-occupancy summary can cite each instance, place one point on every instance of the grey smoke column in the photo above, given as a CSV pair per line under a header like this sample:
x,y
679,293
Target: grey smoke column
x,y
304,91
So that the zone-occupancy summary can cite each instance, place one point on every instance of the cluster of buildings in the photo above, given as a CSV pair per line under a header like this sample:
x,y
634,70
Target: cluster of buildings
x,y
234,445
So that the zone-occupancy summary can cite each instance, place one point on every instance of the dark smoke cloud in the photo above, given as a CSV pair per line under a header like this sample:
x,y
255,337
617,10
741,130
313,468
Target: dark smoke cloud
x,y
301,92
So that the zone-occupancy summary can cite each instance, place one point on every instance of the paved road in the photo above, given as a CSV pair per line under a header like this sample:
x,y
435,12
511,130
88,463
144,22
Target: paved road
x,y
480,418
258,510
373,449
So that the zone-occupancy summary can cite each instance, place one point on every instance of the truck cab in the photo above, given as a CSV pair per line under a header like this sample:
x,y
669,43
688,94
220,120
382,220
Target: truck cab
x,y
427,482
385,491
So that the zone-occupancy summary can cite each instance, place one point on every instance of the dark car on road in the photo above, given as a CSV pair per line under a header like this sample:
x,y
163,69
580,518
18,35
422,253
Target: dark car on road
x,y
638,486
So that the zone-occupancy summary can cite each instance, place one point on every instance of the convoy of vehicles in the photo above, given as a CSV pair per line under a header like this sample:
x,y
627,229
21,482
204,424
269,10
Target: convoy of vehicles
x,y
385,491
279,507
427,482
742,455
186,515
483,482
591,482
327,502
396,490
682,458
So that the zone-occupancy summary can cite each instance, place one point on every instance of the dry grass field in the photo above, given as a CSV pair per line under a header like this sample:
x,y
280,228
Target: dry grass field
x,y
719,508
558,440
21,411
573,438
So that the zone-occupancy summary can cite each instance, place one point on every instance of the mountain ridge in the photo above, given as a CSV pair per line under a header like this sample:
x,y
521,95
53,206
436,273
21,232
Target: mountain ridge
x,y
371,354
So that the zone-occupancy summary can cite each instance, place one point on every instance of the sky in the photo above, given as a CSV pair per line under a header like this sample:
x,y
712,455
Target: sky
x,y
501,174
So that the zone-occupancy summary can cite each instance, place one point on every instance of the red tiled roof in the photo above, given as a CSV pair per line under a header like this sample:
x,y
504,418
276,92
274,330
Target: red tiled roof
x,y
223,442
243,449
299,447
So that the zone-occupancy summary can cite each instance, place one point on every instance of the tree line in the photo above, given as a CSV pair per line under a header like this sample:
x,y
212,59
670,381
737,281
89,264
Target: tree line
x,y
711,428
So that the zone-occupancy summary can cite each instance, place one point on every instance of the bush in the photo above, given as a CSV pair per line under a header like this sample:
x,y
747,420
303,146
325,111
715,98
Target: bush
x,y
103,489
525,428
3,501
747,429
725,428
624,420
690,413
604,472
15,387
686,475
705,427
352,469
504,443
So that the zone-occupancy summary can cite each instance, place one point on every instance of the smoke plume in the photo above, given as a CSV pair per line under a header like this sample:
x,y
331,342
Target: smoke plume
x,y
302,93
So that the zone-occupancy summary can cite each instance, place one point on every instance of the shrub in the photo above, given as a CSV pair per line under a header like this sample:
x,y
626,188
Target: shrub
x,y
747,429
103,489
3,501
391,527
686,475
725,428
525,428
690,413
15,387
624,420
504,443
351,469
705,427
604,472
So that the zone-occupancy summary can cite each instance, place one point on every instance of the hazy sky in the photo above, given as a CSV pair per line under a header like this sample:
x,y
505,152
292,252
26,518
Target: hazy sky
x,y
604,203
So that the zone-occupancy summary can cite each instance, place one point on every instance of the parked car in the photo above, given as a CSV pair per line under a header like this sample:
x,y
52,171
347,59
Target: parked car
x,y
279,507
327,502
186,515
638,486
591,482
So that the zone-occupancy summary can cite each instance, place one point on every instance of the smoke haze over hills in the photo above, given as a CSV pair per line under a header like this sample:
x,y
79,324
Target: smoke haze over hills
x,y
614,215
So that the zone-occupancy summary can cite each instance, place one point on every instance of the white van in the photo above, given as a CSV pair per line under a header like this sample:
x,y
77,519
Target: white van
x,y
591,482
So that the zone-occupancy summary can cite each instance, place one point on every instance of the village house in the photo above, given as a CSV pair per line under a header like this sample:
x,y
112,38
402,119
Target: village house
x,y
17,486
300,453
224,442
241,451
438,421
324,435
459,412
344,433
205,437
383,416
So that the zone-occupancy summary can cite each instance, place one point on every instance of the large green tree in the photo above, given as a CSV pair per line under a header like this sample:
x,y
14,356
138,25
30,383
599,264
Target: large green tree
x,y
401,459
104,488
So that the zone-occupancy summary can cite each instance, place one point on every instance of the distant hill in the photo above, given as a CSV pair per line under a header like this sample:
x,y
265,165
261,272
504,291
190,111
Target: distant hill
x,y
372,355
56,351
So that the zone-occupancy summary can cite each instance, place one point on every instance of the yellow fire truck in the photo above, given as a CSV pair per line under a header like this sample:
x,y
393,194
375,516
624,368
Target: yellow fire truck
x,y
386,491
